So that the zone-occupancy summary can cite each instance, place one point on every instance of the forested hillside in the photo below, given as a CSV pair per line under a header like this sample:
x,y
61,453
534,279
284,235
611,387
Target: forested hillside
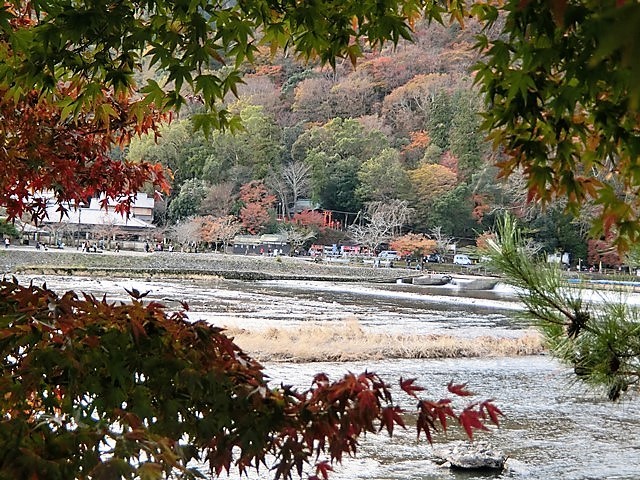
x,y
402,126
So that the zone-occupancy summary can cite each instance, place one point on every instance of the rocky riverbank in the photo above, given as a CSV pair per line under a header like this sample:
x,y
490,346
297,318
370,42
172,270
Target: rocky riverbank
x,y
26,261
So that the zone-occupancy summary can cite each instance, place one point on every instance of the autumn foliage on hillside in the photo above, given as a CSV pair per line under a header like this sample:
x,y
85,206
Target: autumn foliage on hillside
x,y
93,389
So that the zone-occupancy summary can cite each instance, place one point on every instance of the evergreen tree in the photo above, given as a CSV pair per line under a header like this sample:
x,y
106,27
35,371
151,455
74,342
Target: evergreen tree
x,y
600,341
187,203
438,119
465,137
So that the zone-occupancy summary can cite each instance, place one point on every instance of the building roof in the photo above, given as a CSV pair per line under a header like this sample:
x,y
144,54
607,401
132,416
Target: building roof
x,y
305,204
93,216
142,200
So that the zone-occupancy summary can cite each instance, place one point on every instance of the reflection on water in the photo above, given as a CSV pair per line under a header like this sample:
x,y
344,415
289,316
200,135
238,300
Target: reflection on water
x,y
553,429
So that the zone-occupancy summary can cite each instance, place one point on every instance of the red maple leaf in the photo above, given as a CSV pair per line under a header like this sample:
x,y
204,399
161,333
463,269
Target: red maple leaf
x,y
425,422
409,387
391,416
367,400
459,389
323,469
488,408
471,419
442,410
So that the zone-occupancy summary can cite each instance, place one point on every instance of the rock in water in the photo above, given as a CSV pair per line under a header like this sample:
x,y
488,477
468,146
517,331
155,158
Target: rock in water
x,y
472,456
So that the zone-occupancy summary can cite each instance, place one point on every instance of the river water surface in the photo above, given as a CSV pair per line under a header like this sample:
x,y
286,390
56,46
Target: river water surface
x,y
554,427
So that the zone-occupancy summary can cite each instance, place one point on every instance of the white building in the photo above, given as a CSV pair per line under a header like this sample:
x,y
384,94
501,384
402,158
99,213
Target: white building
x,y
95,222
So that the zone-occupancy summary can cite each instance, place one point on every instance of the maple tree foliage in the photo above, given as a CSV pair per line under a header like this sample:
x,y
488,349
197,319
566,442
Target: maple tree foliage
x,y
309,218
257,201
561,82
413,244
603,251
131,390
41,152
219,230
55,139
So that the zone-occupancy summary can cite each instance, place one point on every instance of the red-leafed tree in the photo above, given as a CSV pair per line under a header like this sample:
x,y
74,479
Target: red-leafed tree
x,y
69,158
309,218
255,213
60,121
133,391
603,251
413,244
220,230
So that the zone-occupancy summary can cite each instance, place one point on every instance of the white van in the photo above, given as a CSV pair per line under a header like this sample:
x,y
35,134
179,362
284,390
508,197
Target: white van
x,y
389,255
461,259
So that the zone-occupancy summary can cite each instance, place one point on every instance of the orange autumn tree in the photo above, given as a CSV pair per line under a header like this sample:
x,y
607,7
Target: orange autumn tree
x,y
413,244
257,203
220,230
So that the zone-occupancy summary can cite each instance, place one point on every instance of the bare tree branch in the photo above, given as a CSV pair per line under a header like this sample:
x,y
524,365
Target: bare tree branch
x,y
383,220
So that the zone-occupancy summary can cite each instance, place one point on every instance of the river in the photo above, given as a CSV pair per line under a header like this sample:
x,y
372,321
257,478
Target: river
x,y
554,427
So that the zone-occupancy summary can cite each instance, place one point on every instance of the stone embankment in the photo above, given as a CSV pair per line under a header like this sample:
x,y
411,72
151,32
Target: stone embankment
x,y
26,261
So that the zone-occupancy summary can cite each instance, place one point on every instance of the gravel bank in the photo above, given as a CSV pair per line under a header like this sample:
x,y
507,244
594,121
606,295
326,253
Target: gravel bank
x,y
18,260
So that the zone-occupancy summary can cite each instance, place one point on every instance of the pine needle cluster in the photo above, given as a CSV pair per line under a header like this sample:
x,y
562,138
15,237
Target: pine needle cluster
x,y
600,340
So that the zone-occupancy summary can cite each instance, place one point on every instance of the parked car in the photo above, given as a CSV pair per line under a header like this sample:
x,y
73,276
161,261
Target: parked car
x,y
461,259
433,258
389,255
